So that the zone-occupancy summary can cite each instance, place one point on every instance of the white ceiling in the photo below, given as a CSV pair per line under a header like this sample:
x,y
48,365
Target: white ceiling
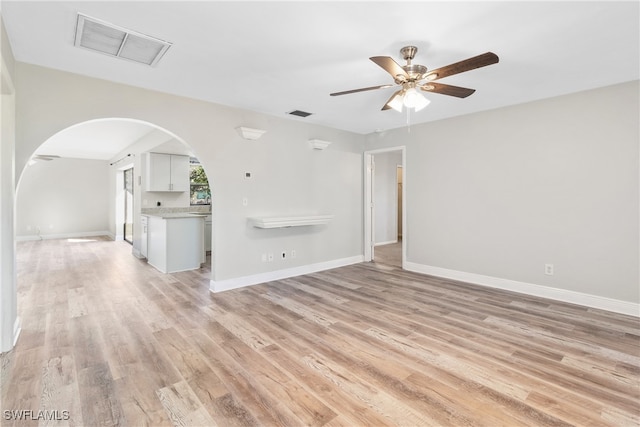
x,y
98,139
274,57
103,139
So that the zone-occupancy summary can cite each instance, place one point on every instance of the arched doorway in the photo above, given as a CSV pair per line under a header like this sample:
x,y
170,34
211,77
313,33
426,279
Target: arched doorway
x,y
74,184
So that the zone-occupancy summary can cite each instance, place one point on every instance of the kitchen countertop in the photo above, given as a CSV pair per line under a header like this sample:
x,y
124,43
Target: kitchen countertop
x,y
175,215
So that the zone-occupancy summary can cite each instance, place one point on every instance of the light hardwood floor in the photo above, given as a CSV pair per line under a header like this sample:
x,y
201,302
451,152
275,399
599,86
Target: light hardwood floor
x,y
113,342
389,254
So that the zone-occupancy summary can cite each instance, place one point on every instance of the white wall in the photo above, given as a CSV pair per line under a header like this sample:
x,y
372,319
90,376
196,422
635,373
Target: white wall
x,y
63,198
9,321
386,196
288,177
498,194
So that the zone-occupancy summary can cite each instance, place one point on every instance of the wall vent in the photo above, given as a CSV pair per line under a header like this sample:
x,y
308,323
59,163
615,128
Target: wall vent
x,y
100,36
299,113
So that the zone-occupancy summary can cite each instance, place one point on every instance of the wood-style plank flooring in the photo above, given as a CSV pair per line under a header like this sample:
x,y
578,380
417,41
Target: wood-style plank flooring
x,y
111,341
389,254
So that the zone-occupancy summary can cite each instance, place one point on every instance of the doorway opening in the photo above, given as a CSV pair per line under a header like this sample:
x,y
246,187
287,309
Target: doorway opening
x,y
384,208
128,206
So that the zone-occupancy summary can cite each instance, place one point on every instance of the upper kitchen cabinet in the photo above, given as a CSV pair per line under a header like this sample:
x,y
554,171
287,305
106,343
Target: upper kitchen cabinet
x,y
167,172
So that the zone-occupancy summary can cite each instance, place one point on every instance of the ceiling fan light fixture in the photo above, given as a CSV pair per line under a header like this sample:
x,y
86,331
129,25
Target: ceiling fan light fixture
x,y
397,102
421,103
414,99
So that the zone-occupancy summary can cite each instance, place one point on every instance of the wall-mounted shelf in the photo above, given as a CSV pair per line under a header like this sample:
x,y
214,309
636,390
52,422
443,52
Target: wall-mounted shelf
x,y
318,144
289,221
250,133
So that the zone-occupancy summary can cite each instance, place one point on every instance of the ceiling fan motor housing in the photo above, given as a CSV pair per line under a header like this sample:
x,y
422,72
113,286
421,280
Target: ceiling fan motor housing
x,y
415,71
408,52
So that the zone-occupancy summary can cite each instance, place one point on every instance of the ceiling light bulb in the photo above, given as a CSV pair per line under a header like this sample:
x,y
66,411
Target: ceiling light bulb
x,y
411,97
414,99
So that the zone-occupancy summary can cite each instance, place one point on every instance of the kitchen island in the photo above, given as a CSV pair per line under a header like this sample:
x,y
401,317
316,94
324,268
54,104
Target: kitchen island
x,y
175,241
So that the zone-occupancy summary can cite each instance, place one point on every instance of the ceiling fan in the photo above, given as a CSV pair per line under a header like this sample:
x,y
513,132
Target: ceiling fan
x,y
46,157
411,77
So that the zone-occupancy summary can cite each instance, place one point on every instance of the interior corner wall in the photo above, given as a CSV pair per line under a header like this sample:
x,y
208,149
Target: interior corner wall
x,y
9,320
501,193
288,177
63,198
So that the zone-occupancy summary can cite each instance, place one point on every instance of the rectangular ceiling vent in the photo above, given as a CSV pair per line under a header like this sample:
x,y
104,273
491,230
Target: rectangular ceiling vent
x,y
299,113
119,42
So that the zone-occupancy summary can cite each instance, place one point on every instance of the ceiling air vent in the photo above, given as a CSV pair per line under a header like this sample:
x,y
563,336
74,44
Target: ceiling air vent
x,y
299,113
119,42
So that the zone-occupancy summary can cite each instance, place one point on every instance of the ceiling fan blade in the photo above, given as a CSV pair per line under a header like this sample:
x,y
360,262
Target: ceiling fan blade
x,y
462,66
386,104
391,67
346,92
457,91
46,157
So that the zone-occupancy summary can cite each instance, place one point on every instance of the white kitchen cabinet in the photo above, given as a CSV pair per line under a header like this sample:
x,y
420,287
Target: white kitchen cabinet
x,y
144,221
207,233
176,242
167,172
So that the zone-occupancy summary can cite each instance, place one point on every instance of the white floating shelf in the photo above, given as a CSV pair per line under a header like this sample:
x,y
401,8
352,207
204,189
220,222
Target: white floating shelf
x,y
289,221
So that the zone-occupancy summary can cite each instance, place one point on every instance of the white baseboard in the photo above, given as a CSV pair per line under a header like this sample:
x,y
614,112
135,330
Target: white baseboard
x,y
588,300
63,236
239,282
386,243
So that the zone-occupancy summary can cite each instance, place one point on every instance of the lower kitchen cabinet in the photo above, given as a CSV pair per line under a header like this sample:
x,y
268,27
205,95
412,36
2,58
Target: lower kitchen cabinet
x,y
175,242
207,233
144,224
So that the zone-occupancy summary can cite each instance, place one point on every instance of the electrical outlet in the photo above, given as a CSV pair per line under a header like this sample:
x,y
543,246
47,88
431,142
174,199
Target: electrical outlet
x,y
548,269
245,201
293,253
270,257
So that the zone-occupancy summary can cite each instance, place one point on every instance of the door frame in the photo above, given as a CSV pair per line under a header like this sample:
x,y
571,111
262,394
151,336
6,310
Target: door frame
x,y
368,207
126,205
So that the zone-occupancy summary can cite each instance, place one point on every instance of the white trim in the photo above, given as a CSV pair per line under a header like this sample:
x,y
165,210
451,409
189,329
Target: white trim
x,y
588,300
16,330
369,218
64,236
367,209
239,282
